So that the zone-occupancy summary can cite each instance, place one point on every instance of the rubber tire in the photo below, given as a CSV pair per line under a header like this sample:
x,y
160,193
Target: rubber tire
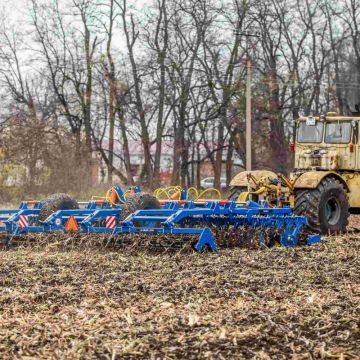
x,y
139,201
236,191
57,202
312,204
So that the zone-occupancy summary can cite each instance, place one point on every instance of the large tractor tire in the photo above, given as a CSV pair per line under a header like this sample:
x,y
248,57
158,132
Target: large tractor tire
x,y
57,202
326,207
139,201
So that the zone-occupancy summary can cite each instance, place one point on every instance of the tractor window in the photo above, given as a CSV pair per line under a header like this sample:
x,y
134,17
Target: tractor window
x,y
338,133
310,133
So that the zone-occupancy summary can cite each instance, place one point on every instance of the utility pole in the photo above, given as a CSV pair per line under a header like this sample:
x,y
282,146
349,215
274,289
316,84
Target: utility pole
x,y
248,98
248,114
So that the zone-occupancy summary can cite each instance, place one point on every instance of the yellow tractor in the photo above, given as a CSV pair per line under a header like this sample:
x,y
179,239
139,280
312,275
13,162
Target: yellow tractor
x,y
325,183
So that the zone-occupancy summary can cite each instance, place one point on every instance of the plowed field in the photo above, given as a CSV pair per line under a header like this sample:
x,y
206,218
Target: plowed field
x,y
90,302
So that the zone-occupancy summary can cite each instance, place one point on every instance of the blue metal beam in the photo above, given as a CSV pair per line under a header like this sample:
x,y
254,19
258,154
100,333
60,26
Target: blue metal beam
x,y
188,218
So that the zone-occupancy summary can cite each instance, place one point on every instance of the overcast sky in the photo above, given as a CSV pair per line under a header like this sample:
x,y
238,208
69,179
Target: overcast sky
x,y
13,9
13,5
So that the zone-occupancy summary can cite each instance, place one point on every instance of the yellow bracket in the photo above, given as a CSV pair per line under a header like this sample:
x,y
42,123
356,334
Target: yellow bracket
x,y
287,182
244,196
191,193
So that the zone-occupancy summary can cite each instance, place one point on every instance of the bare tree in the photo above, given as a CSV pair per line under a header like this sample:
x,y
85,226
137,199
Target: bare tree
x,y
222,78
157,37
132,34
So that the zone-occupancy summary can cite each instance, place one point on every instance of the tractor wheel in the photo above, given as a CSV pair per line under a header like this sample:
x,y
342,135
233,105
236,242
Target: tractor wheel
x,y
237,190
139,201
326,207
57,202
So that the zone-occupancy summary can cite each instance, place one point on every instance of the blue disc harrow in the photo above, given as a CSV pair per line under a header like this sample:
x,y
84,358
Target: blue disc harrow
x,y
196,218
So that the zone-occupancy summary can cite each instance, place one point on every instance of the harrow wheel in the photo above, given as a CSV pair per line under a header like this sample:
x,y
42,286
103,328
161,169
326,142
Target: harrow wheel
x,y
57,202
326,207
139,201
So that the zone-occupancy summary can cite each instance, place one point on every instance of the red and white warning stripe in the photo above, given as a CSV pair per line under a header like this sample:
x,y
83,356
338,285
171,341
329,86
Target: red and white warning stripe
x,y
111,222
23,221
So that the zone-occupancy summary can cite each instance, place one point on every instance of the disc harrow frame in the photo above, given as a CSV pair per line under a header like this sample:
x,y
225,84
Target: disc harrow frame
x,y
178,217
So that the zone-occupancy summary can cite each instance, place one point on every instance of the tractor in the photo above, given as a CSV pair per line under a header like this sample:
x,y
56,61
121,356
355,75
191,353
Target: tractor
x,y
325,183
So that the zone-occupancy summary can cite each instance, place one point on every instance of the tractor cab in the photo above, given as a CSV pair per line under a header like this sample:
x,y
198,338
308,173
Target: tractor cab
x,y
328,142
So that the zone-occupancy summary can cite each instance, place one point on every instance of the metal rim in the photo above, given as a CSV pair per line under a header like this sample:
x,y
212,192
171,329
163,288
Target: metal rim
x,y
333,211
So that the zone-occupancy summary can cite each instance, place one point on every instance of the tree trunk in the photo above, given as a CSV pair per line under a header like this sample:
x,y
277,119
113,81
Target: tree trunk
x,y
175,179
162,27
159,126
112,94
276,125
184,162
138,99
198,168
126,149
88,94
218,155
111,134
229,163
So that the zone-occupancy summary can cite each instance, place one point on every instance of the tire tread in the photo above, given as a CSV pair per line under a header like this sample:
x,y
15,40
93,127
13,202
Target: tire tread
x,y
308,202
